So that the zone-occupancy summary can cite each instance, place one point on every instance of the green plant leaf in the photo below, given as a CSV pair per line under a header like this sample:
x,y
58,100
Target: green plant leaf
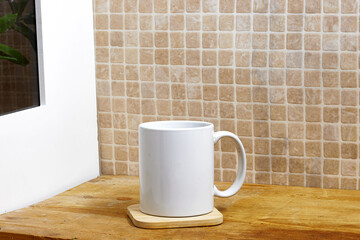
x,y
6,21
12,55
7,58
27,32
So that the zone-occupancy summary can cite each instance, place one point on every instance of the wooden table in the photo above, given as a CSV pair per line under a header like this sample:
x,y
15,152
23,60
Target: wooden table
x,y
97,210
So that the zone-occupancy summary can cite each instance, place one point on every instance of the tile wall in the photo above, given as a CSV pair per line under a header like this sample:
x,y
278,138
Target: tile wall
x,y
281,74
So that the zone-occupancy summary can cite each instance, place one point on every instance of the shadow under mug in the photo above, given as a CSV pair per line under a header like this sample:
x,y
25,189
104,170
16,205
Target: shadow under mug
x,y
177,168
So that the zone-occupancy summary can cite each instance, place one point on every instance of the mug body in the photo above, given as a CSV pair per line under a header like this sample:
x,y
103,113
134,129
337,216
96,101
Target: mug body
x,y
176,168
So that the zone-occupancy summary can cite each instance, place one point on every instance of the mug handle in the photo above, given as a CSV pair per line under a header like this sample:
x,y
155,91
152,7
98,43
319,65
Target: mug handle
x,y
240,175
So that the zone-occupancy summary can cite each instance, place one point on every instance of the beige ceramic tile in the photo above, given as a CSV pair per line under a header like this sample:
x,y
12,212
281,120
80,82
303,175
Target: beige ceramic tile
x,y
281,74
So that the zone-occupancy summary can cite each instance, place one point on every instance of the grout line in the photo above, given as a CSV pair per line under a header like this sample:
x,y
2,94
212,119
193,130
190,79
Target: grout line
x,y
268,52
304,94
110,90
251,50
186,84
234,102
125,85
216,49
285,92
357,174
340,104
157,115
322,161
201,67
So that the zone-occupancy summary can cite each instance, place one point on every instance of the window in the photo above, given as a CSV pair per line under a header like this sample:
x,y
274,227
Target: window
x,y
19,76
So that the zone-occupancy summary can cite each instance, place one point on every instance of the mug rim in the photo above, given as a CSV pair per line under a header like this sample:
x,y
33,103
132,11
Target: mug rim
x,y
191,125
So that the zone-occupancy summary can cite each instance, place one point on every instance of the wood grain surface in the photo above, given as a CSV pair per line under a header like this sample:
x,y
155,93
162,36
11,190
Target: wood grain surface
x,y
97,210
143,220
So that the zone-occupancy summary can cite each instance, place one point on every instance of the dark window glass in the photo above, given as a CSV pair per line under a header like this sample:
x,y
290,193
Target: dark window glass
x,y
19,78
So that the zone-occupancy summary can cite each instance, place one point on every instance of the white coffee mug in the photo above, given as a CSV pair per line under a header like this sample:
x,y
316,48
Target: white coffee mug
x,y
177,168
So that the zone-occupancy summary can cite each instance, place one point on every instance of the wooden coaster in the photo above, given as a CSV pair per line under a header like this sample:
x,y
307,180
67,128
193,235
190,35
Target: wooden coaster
x,y
143,220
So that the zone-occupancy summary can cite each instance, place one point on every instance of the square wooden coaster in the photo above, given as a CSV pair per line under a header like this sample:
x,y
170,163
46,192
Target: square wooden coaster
x,y
143,220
